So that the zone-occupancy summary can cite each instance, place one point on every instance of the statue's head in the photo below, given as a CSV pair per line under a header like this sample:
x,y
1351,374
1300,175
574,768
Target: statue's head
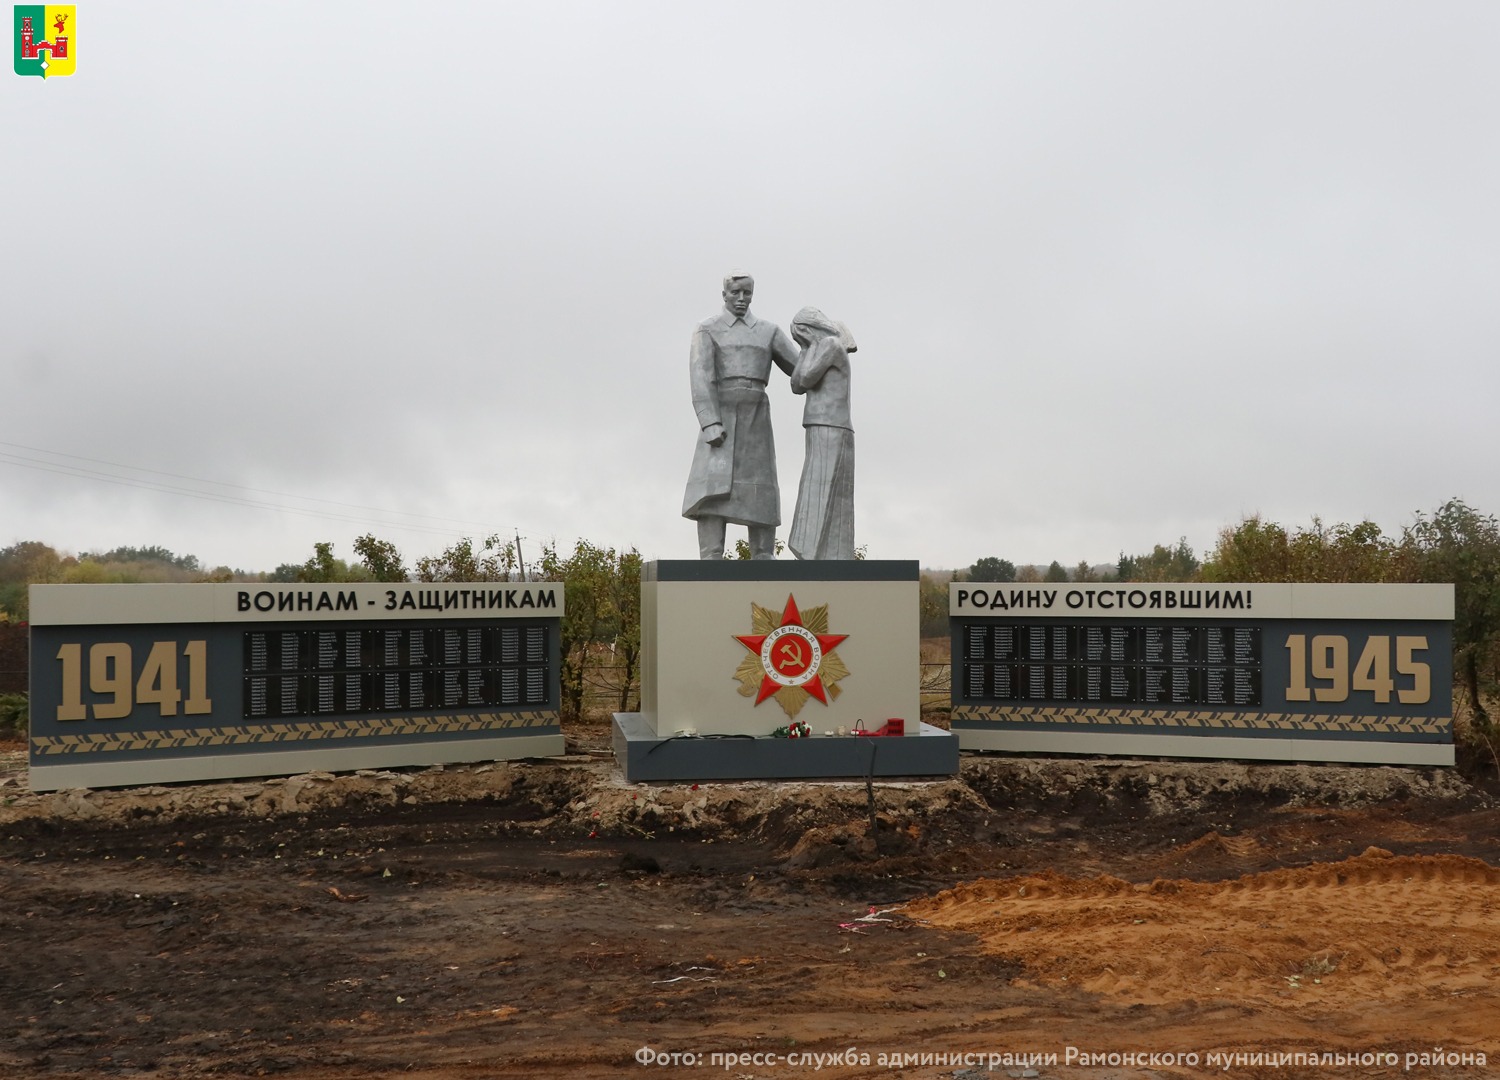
x,y
810,325
739,287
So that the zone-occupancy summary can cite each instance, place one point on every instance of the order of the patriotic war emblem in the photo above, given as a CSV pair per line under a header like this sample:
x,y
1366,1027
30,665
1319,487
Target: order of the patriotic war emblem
x,y
791,657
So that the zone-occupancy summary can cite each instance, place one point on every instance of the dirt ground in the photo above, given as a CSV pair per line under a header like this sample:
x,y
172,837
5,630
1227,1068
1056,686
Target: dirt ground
x,y
544,919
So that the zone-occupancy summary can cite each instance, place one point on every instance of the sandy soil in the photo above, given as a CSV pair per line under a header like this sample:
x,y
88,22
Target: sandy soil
x,y
1365,944
545,919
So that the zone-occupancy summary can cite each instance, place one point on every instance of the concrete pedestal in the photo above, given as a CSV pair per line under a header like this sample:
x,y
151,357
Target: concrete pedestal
x,y
732,651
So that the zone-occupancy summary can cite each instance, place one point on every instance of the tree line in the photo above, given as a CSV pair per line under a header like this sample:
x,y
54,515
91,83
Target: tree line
x,y
32,562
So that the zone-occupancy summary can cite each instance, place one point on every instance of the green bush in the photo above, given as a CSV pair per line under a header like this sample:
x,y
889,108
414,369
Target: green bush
x,y
13,716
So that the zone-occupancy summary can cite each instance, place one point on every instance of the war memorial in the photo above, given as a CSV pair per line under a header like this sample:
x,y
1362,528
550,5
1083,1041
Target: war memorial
x,y
758,668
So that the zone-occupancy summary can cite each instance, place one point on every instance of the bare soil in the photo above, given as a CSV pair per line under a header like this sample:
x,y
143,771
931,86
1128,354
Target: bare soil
x,y
545,919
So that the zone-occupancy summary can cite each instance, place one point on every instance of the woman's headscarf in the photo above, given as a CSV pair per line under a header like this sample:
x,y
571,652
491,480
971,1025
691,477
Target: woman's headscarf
x,y
811,319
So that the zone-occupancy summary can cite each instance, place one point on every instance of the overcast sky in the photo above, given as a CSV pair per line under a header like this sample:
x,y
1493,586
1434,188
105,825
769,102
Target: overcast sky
x,y
278,273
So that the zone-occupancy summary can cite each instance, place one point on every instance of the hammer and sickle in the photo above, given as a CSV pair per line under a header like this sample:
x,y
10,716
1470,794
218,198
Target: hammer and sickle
x,y
792,654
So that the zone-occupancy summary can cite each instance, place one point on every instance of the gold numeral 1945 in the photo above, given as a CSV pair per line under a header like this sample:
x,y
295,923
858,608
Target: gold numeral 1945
x,y
111,673
1327,656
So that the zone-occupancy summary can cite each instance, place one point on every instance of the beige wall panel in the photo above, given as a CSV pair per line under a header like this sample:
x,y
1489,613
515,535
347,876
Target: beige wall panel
x,y
689,670
1327,601
93,605
1115,600
1265,600
88,605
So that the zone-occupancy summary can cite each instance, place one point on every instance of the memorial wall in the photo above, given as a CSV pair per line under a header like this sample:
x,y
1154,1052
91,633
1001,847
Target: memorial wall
x,y
152,683
1270,671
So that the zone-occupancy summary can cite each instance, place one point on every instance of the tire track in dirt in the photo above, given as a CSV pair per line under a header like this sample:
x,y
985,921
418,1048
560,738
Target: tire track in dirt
x,y
1214,854
1371,930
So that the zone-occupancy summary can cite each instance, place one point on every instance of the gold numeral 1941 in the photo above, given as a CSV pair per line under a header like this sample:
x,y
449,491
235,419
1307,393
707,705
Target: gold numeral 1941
x,y
112,674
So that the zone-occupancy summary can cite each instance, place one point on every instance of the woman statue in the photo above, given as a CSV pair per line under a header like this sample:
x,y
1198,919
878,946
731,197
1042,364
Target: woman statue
x,y
823,525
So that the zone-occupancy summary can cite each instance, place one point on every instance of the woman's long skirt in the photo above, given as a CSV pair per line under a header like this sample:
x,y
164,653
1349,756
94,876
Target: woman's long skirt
x,y
823,525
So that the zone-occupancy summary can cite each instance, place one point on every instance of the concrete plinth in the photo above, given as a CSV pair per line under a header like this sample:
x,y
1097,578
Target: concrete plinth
x,y
732,651
703,622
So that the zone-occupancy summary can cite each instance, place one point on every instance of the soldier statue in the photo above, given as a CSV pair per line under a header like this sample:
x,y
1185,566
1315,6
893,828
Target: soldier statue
x,y
733,477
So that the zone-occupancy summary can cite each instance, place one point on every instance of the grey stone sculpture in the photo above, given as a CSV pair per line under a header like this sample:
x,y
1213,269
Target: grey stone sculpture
x,y
823,523
733,477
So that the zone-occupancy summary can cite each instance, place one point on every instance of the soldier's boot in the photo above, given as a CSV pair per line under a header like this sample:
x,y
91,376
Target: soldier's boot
x,y
762,541
710,538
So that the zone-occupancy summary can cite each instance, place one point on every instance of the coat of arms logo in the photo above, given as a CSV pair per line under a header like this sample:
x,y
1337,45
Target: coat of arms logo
x,y
791,657
45,40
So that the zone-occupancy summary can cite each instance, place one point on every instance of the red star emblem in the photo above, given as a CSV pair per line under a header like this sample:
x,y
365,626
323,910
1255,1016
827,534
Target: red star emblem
x,y
791,654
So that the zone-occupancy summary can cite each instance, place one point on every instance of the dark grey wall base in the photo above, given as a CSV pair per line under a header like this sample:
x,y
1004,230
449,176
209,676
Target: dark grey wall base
x,y
544,742
643,756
